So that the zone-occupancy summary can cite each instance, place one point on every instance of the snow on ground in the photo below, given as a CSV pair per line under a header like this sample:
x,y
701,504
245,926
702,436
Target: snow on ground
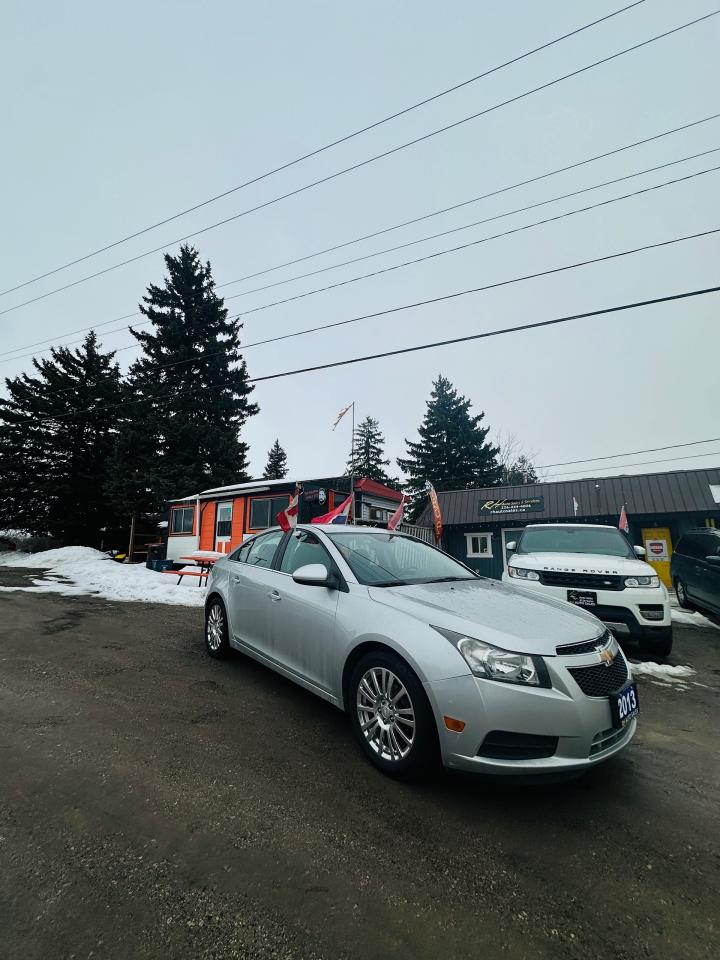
x,y
77,571
688,619
662,671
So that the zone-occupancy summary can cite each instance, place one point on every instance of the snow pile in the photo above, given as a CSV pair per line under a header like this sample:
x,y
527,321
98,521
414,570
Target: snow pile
x,y
662,671
77,571
690,619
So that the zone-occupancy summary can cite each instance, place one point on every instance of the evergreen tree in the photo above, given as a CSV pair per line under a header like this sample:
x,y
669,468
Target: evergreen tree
x,y
188,395
367,453
518,472
57,431
276,467
453,451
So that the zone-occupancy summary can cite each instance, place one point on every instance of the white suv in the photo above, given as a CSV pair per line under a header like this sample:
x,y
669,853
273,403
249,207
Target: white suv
x,y
596,568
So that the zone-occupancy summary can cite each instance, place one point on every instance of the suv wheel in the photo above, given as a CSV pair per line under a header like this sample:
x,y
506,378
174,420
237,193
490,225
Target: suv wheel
x,y
658,644
681,594
392,717
217,643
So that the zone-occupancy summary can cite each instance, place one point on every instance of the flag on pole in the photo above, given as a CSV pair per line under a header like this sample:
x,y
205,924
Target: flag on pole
x,y
341,415
623,523
437,516
338,515
396,518
287,519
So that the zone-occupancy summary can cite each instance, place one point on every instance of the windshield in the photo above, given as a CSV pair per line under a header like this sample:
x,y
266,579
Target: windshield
x,y
605,541
392,560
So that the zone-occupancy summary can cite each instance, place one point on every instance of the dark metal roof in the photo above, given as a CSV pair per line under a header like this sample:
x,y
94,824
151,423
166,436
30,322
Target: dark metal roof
x,y
682,491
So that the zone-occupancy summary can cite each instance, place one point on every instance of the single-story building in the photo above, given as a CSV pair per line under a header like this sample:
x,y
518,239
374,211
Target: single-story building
x,y
221,518
478,524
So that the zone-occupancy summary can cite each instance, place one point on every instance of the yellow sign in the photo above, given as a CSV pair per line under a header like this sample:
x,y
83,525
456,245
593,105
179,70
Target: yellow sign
x,y
658,550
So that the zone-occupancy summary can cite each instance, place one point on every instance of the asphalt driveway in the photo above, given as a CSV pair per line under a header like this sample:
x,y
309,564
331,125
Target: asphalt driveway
x,y
156,803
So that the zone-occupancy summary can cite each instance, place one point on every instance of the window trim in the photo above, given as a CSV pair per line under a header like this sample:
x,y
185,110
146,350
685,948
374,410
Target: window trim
x,y
173,511
486,554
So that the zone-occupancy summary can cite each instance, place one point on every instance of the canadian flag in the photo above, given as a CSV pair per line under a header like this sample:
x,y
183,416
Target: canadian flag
x,y
623,523
338,515
287,518
396,518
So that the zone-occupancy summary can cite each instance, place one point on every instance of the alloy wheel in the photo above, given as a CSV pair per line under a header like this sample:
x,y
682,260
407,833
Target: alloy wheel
x,y
386,714
680,591
215,627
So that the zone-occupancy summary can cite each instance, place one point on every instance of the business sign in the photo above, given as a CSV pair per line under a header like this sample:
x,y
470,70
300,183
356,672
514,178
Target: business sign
x,y
315,496
524,505
657,550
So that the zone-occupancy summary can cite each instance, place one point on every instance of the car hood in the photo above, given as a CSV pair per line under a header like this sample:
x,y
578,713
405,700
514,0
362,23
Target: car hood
x,y
583,563
498,613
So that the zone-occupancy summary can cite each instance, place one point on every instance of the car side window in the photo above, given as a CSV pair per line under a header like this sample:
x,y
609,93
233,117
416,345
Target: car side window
x,y
304,547
262,549
241,554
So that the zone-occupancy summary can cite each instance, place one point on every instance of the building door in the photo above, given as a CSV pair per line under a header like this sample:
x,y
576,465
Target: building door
x,y
658,550
223,526
508,535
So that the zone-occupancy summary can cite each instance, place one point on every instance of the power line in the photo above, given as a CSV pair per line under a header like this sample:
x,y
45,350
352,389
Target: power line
x,y
327,146
413,349
465,203
643,463
363,163
627,453
452,249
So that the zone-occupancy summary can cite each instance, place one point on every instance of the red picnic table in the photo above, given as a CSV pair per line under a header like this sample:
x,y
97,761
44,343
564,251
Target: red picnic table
x,y
200,563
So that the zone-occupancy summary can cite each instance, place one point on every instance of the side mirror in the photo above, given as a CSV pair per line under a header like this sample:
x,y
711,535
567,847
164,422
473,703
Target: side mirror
x,y
714,559
640,551
511,547
315,575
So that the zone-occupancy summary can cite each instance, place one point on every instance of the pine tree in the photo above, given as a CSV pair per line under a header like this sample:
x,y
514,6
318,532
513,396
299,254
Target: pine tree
x,y
452,452
518,472
57,431
188,395
367,453
276,467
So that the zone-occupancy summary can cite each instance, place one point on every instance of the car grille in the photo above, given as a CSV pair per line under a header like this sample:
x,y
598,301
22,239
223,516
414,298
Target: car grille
x,y
584,646
581,581
599,680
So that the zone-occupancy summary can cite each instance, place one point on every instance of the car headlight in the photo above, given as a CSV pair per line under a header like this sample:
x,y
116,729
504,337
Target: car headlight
x,y
493,663
642,581
521,573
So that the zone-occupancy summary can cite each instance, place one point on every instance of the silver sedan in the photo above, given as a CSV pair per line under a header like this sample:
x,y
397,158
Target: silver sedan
x,y
432,663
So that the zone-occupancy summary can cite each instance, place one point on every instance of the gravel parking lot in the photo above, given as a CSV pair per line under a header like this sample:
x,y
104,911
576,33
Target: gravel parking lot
x,y
156,803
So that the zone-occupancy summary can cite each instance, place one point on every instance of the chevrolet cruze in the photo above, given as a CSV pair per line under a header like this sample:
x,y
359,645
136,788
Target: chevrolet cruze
x,y
432,663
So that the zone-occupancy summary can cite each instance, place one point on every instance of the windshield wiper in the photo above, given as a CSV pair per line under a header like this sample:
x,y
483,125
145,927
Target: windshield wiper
x,y
392,583
446,579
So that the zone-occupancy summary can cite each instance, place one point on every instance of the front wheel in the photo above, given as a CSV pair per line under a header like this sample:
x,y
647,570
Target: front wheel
x,y
658,644
681,594
217,643
392,718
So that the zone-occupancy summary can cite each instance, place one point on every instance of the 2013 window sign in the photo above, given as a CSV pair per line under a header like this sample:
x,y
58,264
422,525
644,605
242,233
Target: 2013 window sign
x,y
524,505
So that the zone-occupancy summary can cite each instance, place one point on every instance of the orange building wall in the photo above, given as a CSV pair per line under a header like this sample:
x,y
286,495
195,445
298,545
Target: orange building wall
x,y
238,522
207,526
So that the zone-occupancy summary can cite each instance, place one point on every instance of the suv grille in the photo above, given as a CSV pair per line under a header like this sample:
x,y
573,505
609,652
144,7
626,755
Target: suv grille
x,y
600,681
584,646
583,581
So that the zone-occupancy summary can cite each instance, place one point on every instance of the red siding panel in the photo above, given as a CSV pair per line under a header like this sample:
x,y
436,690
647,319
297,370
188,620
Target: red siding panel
x,y
207,526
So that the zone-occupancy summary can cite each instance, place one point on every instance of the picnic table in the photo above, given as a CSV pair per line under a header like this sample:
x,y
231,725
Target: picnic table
x,y
199,565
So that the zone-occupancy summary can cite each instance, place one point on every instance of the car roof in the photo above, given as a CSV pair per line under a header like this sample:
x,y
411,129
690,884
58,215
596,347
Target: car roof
x,y
575,526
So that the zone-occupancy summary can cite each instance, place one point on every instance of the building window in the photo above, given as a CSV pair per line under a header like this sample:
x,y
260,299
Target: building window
x,y
181,521
478,544
264,510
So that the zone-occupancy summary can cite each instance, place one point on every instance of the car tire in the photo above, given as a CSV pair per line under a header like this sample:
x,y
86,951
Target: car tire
x,y
681,594
657,645
402,741
217,641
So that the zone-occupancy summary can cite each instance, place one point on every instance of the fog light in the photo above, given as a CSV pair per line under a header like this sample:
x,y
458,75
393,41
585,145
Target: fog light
x,y
652,612
457,726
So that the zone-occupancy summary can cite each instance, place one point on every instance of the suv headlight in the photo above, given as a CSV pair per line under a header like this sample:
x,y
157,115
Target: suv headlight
x,y
493,663
642,581
521,573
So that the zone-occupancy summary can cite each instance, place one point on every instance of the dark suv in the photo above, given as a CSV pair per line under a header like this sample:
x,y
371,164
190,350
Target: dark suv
x,y
695,570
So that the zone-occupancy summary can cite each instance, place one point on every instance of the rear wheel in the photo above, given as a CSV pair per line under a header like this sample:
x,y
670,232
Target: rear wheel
x,y
217,643
681,594
392,718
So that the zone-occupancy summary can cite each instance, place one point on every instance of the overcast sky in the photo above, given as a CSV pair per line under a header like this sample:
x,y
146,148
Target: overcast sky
x,y
114,117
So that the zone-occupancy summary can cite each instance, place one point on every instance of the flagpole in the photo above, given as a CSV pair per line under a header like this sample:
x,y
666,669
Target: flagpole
x,y
352,464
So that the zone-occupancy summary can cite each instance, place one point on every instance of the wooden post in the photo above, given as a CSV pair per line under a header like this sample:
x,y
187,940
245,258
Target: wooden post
x,y
131,545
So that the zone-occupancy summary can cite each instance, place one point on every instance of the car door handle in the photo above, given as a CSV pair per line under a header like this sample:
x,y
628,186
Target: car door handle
x,y
274,596
236,579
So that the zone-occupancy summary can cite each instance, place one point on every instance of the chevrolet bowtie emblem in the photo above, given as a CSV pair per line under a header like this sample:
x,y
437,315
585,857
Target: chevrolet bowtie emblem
x,y
605,656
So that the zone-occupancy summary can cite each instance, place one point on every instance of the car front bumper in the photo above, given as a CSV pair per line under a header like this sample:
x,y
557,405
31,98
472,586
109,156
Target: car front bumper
x,y
582,725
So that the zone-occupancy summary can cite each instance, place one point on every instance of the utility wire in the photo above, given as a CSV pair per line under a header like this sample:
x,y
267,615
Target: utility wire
x,y
444,233
363,163
404,350
627,453
642,463
465,203
327,146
